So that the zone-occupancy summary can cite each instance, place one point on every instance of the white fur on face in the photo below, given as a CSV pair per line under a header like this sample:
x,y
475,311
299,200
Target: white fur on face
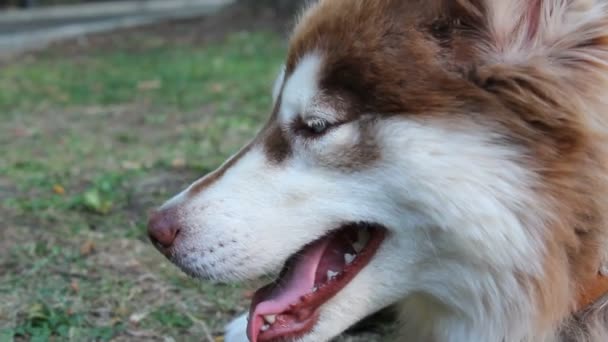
x,y
450,198
453,198
475,198
300,89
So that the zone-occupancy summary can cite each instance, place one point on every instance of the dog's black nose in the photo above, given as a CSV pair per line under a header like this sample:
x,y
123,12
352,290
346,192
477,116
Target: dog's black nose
x,y
163,228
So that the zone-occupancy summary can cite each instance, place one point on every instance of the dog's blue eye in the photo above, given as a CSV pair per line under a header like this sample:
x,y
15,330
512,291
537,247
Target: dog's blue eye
x,y
317,126
311,127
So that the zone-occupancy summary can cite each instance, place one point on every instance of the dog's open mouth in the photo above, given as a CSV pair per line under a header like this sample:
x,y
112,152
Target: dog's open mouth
x,y
288,308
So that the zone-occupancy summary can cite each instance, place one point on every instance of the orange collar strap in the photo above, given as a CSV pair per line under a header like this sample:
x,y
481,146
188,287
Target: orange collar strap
x,y
592,292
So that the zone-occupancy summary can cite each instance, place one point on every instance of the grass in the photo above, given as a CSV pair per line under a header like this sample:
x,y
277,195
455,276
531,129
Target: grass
x,y
181,77
88,143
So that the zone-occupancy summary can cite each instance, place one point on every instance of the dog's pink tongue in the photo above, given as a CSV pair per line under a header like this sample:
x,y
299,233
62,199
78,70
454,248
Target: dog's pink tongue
x,y
297,282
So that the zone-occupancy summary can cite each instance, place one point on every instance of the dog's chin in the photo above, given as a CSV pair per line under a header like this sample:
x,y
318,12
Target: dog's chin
x,y
289,308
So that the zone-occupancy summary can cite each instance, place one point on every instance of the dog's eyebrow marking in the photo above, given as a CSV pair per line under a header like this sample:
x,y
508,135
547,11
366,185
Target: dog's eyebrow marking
x,y
205,182
276,146
300,88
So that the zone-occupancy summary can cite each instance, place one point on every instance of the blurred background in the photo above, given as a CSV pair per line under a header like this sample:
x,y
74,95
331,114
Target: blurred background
x,y
108,108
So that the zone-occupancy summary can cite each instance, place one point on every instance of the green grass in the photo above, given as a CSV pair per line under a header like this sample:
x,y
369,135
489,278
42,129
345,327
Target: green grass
x,y
229,75
88,144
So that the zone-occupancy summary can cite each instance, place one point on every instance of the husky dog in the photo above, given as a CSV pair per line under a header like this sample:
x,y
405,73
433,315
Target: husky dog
x,y
447,157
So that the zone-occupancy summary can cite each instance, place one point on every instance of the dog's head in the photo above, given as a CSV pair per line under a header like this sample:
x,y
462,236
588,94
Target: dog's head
x,y
408,142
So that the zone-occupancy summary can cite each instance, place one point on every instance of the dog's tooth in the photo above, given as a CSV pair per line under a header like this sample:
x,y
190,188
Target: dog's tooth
x,y
331,274
270,319
349,258
358,246
315,289
265,327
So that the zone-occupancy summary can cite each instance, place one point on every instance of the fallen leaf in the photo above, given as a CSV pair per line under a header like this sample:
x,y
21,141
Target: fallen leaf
x,y
219,339
87,248
131,165
137,317
121,311
74,286
217,88
22,132
58,189
38,311
133,263
149,85
93,201
178,163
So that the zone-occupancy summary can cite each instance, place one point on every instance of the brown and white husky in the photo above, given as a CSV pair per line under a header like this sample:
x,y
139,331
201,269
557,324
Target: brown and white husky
x,y
447,157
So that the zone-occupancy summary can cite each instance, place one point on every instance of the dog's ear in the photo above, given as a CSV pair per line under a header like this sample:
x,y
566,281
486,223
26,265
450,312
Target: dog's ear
x,y
520,29
545,59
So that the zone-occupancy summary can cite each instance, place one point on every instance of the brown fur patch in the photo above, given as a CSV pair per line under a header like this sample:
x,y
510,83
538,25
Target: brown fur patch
x,y
276,143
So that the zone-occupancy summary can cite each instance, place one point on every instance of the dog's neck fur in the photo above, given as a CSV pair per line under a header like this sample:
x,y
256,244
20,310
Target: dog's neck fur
x,y
477,318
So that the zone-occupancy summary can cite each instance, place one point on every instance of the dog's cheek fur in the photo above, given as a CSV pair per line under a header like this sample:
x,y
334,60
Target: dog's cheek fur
x,y
478,227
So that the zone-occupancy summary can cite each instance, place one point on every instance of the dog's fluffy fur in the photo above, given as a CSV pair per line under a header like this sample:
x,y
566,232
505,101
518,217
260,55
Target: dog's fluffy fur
x,y
473,130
